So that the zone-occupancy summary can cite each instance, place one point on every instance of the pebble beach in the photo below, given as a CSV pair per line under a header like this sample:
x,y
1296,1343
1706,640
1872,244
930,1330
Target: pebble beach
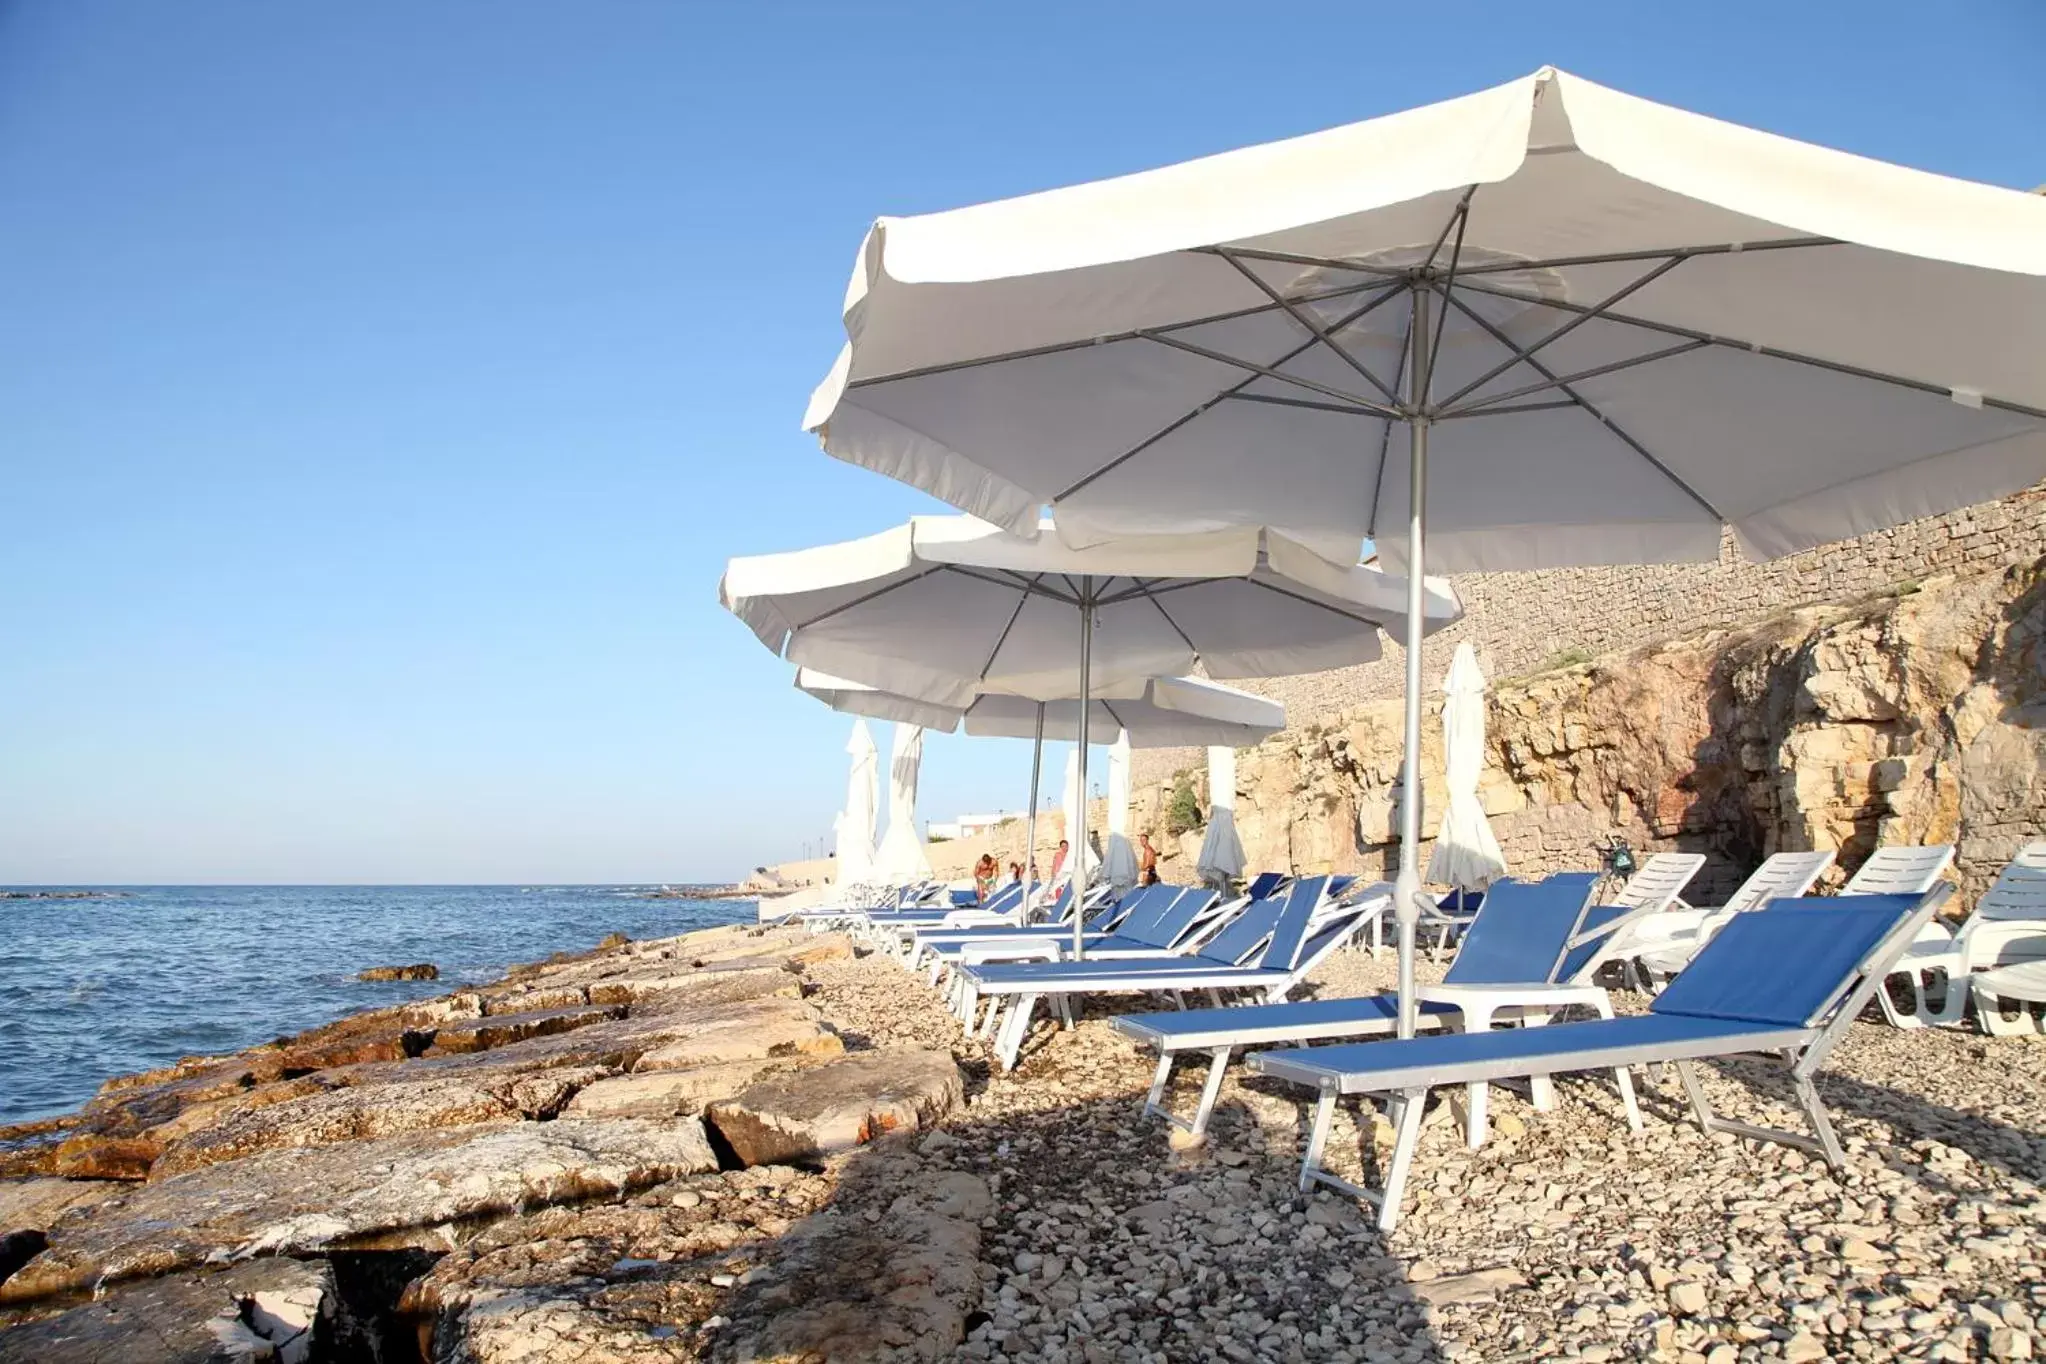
x,y
801,1157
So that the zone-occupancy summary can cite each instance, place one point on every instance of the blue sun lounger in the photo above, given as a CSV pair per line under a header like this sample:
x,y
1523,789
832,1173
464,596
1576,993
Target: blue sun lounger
x,y
1786,980
1516,960
1265,951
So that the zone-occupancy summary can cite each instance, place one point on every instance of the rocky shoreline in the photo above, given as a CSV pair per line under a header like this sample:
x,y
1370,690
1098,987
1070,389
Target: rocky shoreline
x,y
748,1144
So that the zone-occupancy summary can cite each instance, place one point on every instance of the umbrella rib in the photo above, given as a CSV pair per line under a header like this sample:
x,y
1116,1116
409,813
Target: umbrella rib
x,y
1315,602
1654,253
1538,367
1266,371
1232,391
1159,606
1556,262
1576,321
1489,411
1385,440
1305,319
1032,588
1059,347
1456,220
1485,406
1022,600
1753,348
1461,220
1109,706
1307,403
865,597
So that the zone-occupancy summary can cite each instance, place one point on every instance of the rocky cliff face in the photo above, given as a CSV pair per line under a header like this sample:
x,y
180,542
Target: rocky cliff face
x,y
1913,716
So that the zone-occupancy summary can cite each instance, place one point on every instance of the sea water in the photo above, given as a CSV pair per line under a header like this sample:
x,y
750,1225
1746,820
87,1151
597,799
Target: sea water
x,y
93,988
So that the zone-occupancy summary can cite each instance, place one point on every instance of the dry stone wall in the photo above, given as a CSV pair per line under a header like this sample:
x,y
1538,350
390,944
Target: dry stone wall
x,y
1917,716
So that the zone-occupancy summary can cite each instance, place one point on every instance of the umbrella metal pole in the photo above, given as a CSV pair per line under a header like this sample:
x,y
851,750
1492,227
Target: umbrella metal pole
x,y
1407,886
1030,834
1077,853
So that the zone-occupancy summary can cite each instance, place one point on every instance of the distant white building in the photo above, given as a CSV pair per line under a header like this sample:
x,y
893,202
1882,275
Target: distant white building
x,y
966,826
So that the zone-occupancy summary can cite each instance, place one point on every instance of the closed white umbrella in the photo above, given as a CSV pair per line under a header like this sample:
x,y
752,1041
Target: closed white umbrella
x,y
1221,858
854,855
1119,865
1612,328
1466,854
901,858
948,607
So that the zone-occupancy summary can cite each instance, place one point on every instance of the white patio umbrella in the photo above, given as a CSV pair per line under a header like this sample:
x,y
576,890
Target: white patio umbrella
x,y
948,607
901,858
854,852
1466,854
1612,328
1221,856
1119,864
1166,712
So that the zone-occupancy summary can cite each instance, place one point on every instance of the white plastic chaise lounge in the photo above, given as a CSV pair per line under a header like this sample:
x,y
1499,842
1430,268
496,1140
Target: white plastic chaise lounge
x,y
1784,981
1265,952
1655,948
1516,960
1997,957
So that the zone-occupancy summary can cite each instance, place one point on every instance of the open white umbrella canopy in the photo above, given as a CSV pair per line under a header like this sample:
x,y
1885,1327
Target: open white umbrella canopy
x,y
1221,856
1466,855
1119,865
854,853
1612,328
1165,712
901,859
945,608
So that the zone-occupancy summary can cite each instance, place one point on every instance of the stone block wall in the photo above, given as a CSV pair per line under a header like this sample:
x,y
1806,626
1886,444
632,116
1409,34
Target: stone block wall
x,y
1517,621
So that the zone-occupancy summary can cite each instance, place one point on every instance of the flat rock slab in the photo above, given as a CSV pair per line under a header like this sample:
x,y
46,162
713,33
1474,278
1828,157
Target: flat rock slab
x,y
358,1114
838,1105
33,1204
683,985
666,1093
257,1312
749,1030
498,1030
391,1193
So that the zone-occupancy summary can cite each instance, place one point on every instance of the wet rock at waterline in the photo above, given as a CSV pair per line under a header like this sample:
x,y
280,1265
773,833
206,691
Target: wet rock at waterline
x,y
424,970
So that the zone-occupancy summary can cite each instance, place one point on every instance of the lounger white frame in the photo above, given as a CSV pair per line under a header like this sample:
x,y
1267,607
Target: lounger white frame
x,y
1329,928
1997,957
1656,948
1802,1049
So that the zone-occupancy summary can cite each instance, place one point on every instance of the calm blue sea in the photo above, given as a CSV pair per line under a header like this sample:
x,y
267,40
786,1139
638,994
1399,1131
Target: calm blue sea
x,y
95,988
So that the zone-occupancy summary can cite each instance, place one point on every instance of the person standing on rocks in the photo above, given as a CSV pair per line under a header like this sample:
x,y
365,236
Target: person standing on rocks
x,y
1058,860
1147,861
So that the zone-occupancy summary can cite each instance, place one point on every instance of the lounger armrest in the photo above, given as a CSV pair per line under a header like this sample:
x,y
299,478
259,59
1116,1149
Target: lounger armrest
x,y
1011,949
1489,999
971,918
1986,943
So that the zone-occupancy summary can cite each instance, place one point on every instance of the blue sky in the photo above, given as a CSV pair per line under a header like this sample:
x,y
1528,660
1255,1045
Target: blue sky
x,y
384,384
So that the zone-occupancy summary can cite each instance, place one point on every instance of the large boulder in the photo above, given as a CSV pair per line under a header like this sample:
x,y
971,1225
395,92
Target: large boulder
x,y
268,1311
836,1106
390,1193
666,1093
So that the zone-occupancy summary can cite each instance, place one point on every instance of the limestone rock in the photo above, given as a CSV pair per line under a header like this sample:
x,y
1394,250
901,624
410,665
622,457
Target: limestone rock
x,y
497,1030
747,1031
33,1204
838,1105
898,1286
424,970
665,1093
608,1282
267,1311
356,1114
387,1193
